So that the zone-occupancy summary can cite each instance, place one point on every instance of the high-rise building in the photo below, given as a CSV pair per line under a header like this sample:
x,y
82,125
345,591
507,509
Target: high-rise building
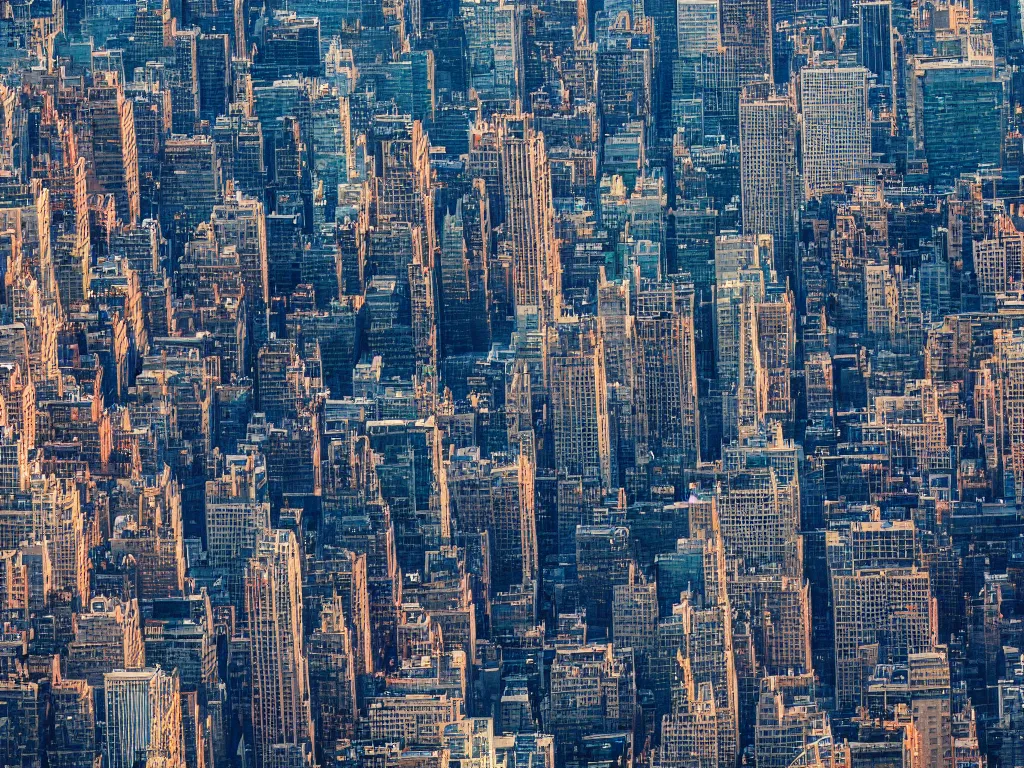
x,y
579,402
788,720
705,706
74,725
593,690
836,138
769,179
747,29
697,27
528,216
888,612
190,181
107,638
456,307
332,678
958,116
922,684
237,511
143,717
635,623
500,499
667,372
494,39
281,720
602,563
114,153
876,40
759,517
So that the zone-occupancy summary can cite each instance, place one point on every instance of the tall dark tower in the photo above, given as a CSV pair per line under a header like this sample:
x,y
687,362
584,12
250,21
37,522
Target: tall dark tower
x,y
747,29
876,52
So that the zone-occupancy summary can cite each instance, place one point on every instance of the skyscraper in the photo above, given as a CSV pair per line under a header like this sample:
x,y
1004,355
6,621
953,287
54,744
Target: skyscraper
x,y
876,45
528,220
747,29
667,373
697,27
579,402
115,155
456,309
143,717
769,178
237,511
836,141
959,116
280,683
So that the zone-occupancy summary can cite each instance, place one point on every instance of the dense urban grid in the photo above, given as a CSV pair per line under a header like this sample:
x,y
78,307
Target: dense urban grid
x,y
511,383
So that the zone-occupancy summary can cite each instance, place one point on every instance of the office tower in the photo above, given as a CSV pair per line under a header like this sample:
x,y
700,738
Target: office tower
x,y
777,610
876,40
958,116
471,741
57,504
789,720
776,353
291,45
189,182
626,47
747,30
402,181
1000,387
74,725
886,611
280,682
528,215
107,638
153,30
498,498
248,166
423,317
667,373
494,42
275,365
332,679
579,403
179,636
184,82
343,574
705,707
697,27
600,675
114,152
690,734
237,511
62,171
213,75
477,229
22,700
922,684
603,562
759,518
151,115
769,179
635,622
417,719
239,222
882,602
836,140
331,143
681,570
456,309
143,717
819,391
